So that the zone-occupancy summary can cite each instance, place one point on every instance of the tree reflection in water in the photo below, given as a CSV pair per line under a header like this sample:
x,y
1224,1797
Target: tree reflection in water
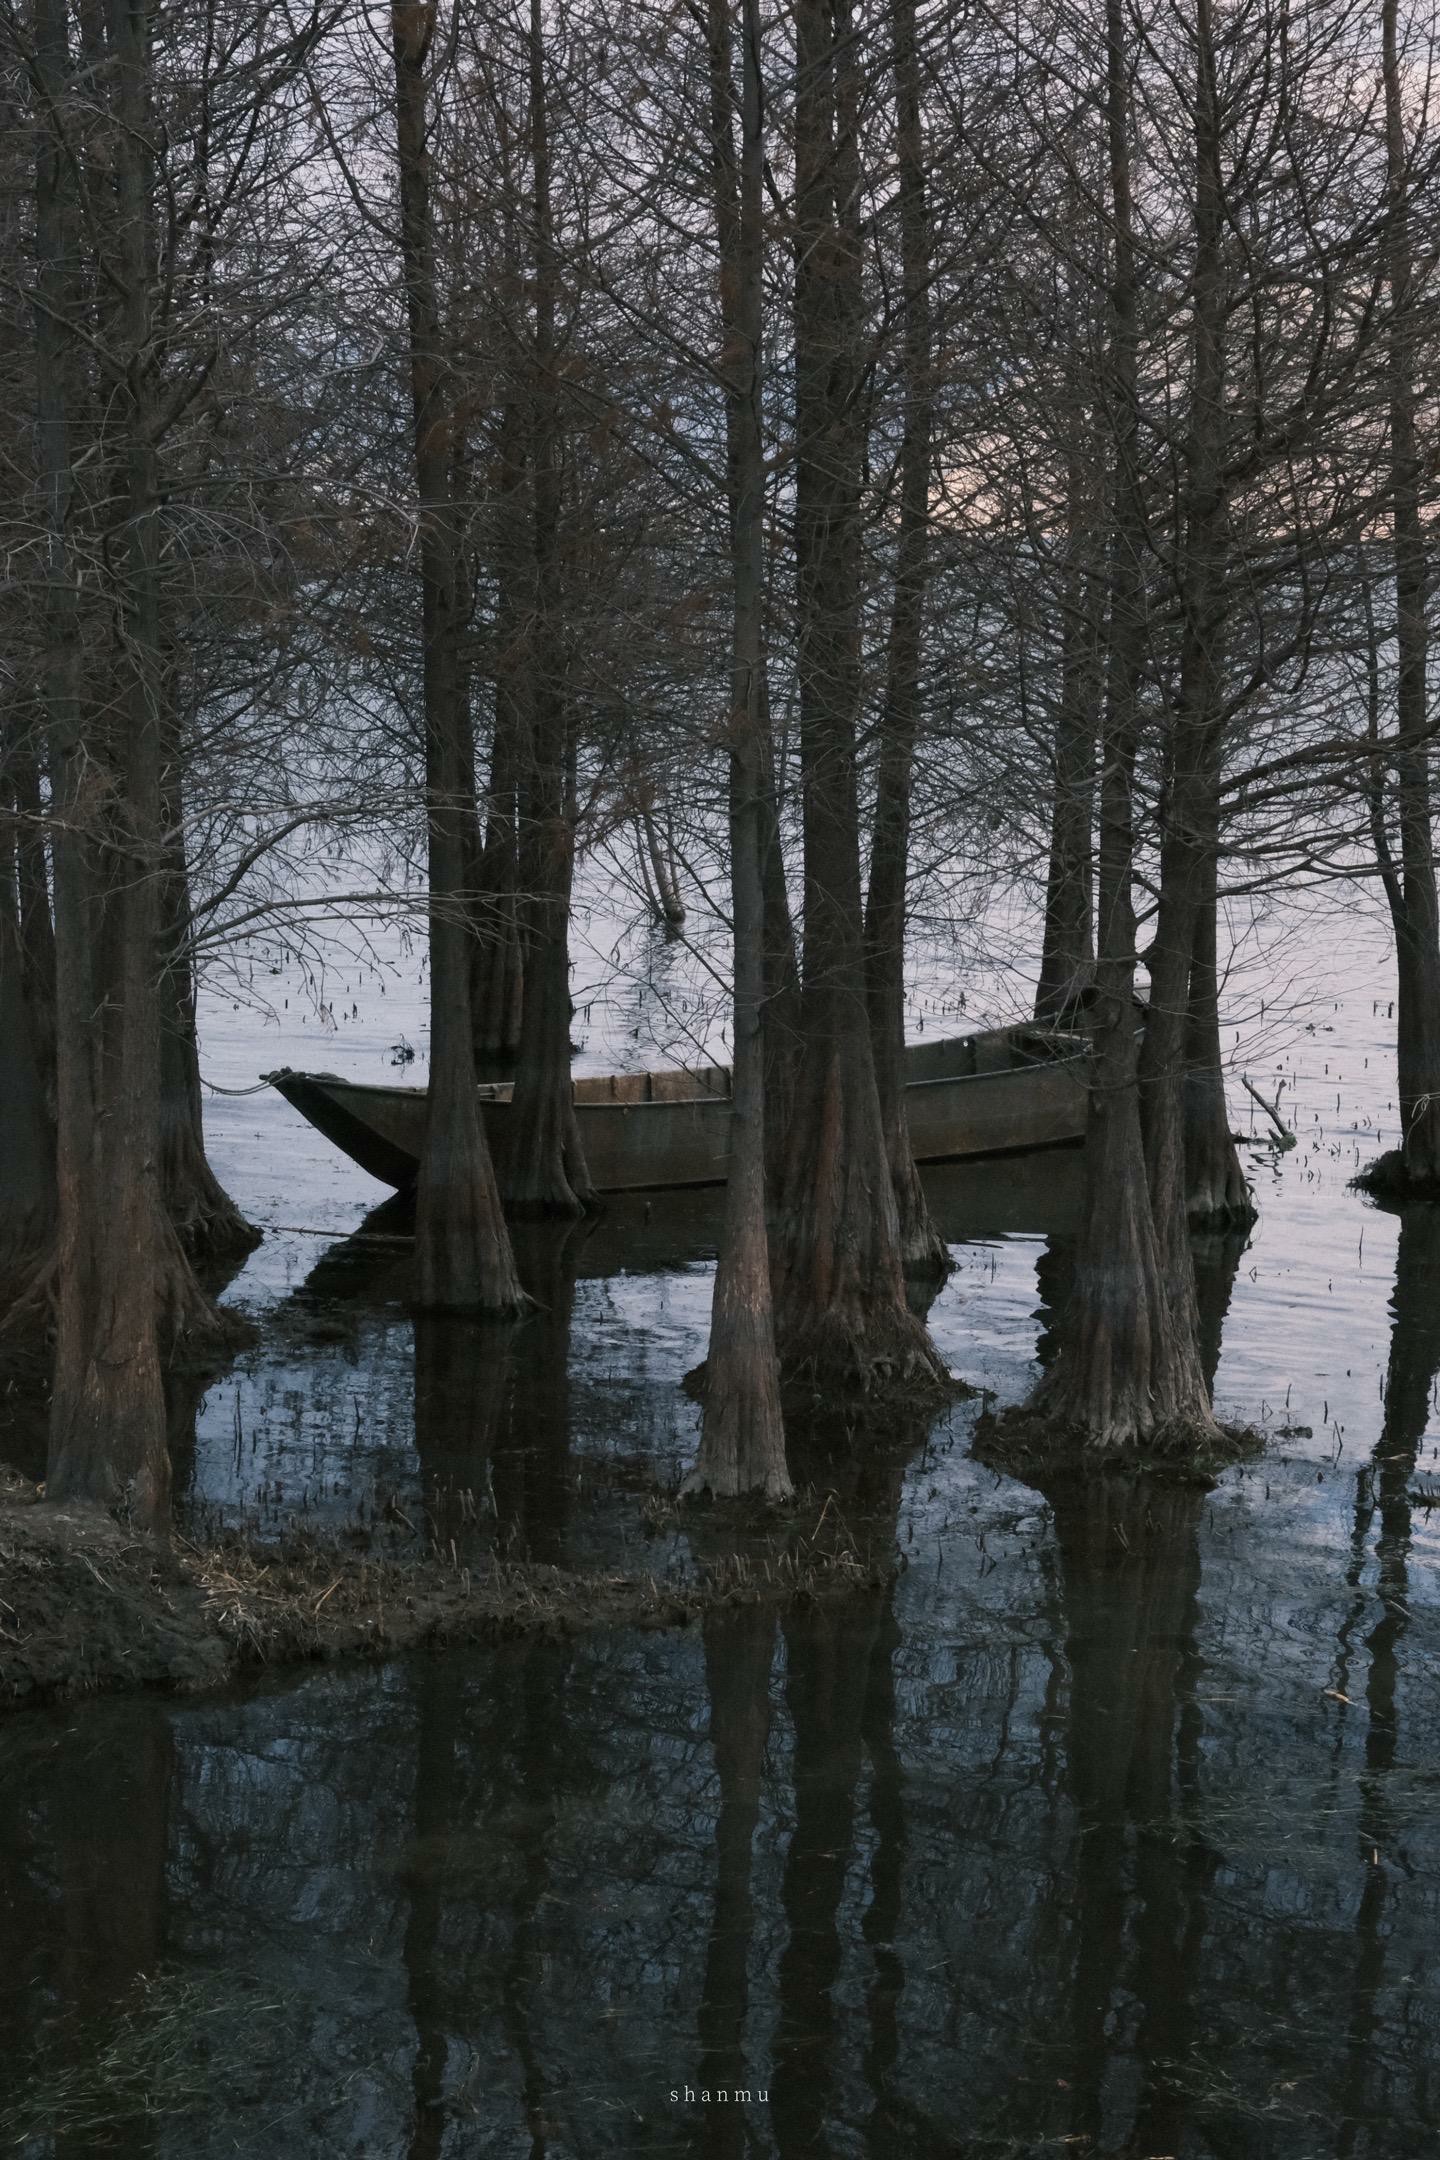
x,y
1129,1575
86,1829
739,1655
492,1412
1056,1843
1383,1528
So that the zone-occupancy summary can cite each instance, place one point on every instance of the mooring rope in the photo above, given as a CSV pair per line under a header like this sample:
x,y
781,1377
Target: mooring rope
x,y
372,1237
216,1089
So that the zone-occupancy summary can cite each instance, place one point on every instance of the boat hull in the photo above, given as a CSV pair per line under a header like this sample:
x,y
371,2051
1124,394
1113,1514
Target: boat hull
x,y
1033,1096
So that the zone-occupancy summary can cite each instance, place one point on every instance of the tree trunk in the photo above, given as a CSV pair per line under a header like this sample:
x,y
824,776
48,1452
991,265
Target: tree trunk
x,y
780,1032
742,1438
32,883
544,1167
1189,817
121,1276
1125,1375
1127,1371
841,1317
27,1141
1067,960
498,965
1216,1195
654,854
210,1226
670,906
922,1250
1413,1169
463,1261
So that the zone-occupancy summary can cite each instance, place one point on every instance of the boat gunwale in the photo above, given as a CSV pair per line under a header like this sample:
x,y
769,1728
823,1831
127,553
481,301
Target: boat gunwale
x,y
684,1102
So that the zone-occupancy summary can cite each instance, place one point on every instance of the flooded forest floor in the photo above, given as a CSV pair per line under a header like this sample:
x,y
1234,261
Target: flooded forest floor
x,y
1088,1814
92,1607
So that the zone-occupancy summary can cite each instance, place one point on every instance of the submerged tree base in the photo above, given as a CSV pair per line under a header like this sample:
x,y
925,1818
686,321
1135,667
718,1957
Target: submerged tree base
x,y
1206,1216
730,1487
1024,1443
1390,1177
196,1333
924,1256
212,1231
839,1363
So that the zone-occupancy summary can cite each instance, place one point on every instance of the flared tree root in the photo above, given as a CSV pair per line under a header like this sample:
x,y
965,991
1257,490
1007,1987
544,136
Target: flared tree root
x,y
196,1334
1026,1443
1208,1217
863,1365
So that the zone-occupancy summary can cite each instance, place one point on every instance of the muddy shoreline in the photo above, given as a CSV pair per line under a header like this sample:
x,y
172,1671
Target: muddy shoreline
x,y
90,1607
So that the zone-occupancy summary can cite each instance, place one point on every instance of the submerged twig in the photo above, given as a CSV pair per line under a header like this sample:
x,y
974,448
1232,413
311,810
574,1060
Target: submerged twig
x,y
1272,1111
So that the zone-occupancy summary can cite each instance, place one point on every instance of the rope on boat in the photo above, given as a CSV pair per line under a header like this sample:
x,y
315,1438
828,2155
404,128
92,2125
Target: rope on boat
x,y
216,1089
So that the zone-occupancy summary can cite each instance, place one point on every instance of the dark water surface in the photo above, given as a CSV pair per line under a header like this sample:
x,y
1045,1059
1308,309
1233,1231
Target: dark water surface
x,y
1113,1826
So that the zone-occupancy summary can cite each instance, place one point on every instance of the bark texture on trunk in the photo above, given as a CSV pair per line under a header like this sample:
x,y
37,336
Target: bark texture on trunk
x,y
1409,881
207,1221
922,1249
463,1261
544,1169
1217,1198
1127,1373
1067,958
742,1438
1189,831
841,1317
24,758
27,1140
1127,1376
781,1012
122,1280
655,853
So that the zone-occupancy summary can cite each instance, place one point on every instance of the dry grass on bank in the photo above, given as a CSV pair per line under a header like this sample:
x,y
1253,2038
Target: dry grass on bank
x,y
88,1605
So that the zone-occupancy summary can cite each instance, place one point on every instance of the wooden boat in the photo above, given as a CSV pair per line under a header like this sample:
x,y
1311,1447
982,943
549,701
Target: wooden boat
x,y
1003,1092
996,1094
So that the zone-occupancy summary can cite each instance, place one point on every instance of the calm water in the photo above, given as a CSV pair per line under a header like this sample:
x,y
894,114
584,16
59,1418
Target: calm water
x,y
1109,1828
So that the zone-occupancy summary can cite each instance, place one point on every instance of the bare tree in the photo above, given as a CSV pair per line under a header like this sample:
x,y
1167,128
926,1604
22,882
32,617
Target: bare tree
x,y
463,1257
1408,871
923,1251
841,1316
1128,1371
742,1440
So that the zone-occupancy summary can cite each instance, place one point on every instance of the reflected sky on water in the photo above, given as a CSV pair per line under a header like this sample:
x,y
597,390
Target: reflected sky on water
x,y
1107,1828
